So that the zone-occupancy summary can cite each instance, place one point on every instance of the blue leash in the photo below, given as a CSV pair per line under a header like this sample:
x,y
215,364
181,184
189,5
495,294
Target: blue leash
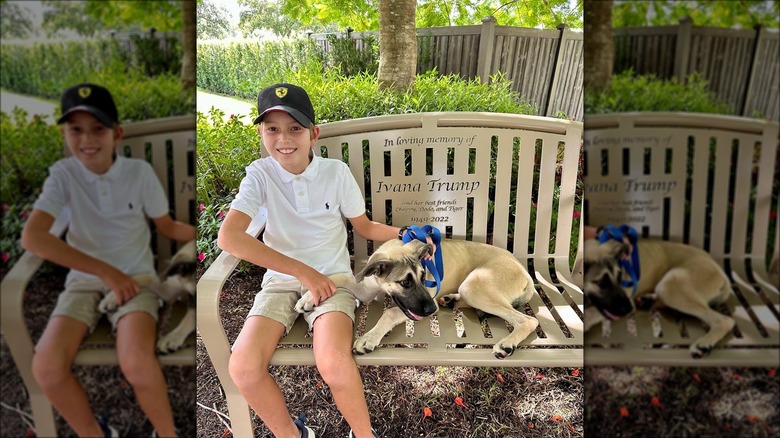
x,y
436,268
631,267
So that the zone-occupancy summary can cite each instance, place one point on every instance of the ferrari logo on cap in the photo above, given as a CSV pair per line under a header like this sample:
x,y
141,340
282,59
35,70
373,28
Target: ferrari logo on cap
x,y
281,92
84,92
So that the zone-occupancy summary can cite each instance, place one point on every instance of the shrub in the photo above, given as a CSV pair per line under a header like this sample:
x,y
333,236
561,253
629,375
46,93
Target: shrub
x,y
627,92
29,148
348,58
12,219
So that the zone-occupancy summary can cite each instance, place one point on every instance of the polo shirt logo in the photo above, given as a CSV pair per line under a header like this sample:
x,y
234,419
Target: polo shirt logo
x,y
84,92
281,92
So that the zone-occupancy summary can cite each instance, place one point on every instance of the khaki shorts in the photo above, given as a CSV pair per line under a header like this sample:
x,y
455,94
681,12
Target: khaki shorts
x,y
80,302
278,297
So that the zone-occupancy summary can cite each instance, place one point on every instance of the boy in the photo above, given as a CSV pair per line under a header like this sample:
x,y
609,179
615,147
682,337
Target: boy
x,y
304,244
110,198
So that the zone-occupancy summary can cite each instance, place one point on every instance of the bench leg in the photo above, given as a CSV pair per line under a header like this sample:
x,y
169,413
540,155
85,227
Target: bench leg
x,y
43,414
240,418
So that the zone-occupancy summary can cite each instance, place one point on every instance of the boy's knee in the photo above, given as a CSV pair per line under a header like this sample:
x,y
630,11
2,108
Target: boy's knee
x,y
48,369
247,373
335,367
140,370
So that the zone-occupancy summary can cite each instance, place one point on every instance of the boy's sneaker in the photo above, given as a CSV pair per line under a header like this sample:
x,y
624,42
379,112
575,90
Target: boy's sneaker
x,y
306,431
108,431
352,435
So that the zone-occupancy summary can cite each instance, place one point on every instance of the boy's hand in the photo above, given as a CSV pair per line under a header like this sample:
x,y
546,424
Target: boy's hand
x,y
429,256
320,286
123,285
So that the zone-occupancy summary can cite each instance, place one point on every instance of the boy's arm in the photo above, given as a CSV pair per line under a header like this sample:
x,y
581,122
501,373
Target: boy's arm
x,y
379,232
233,238
37,239
174,230
371,230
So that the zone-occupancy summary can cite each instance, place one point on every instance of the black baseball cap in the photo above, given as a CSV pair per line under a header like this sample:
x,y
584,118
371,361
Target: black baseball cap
x,y
91,98
289,98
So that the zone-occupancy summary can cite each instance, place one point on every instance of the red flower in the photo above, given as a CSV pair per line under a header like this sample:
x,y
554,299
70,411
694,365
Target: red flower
x,y
201,207
655,401
427,412
5,257
202,256
576,214
623,411
575,372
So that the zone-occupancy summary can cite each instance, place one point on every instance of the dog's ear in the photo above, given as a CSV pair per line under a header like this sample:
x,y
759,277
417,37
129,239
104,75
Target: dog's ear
x,y
424,250
378,268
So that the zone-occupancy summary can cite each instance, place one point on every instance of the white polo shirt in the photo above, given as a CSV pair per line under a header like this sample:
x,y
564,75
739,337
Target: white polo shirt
x,y
108,212
304,211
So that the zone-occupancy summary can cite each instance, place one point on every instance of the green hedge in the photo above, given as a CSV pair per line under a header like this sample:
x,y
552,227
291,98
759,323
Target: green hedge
x,y
627,93
46,69
236,68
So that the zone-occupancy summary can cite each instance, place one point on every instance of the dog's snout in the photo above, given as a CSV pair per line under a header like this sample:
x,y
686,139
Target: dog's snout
x,y
429,308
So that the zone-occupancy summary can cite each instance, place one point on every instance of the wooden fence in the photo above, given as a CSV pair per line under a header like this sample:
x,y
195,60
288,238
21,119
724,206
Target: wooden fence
x,y
741,66
544,66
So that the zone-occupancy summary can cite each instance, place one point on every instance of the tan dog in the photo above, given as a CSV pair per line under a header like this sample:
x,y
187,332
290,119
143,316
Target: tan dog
x,y
476,275
176,283
674,275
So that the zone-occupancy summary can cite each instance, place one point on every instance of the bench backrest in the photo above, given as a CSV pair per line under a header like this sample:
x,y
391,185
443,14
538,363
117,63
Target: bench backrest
x,y
706,180
505,179
169,145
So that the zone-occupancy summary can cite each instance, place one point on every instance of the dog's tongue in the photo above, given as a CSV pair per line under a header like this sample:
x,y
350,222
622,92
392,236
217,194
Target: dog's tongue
x,y
611,316
415,317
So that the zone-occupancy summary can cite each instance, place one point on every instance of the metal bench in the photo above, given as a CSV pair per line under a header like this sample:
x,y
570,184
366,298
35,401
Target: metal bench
x,y
706,180
508,180
169,144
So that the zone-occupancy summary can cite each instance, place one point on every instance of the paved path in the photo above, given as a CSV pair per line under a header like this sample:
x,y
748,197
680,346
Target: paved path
x,y
33,105
228,105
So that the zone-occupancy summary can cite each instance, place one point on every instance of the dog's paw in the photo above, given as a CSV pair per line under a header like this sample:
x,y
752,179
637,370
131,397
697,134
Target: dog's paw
x,y
502,351
364,345
448,301
700,351
169,343
305,303
645,302
108,303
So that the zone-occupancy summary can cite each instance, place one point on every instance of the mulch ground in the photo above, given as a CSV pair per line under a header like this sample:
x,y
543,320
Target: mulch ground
x,y
108,391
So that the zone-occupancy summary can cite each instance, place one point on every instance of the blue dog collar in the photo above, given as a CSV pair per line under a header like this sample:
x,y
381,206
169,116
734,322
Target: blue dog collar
x,y
631,267
436,266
